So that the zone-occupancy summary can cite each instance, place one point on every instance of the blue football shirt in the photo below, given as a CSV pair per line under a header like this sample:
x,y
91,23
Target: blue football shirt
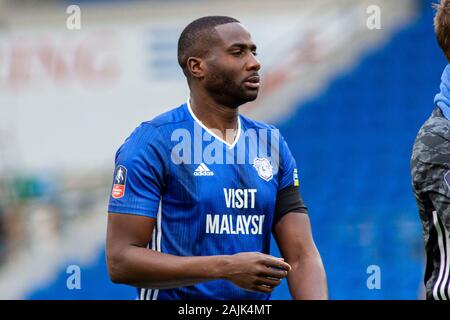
x,y
208,197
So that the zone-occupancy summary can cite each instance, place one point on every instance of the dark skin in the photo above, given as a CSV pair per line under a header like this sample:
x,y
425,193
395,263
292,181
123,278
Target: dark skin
x,y
220,82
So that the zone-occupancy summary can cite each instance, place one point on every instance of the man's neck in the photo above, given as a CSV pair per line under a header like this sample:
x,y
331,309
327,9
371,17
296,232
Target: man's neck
x,y
218,118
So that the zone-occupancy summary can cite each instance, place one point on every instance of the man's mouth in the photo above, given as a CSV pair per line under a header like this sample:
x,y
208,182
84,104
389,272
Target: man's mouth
x,y
252,82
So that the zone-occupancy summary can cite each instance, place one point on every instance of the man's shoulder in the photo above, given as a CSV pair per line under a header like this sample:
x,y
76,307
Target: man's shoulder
x,y
433,140
435,126
150,131
254,124
171,117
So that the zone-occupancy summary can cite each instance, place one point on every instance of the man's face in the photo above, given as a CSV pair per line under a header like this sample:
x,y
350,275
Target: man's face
x,y
231,74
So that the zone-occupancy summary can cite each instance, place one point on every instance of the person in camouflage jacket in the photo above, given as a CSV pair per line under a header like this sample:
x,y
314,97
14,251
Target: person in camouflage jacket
x,y
430,171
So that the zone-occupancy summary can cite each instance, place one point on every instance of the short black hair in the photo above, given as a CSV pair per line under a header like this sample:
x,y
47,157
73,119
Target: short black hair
x,y
194,37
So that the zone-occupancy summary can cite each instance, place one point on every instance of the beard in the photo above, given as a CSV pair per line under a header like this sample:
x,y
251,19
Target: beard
x,y
226,91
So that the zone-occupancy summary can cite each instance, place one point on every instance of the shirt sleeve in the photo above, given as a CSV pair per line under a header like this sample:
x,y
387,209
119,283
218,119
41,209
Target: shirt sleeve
x,y
288,173
441,202
289,198
431,176
140,174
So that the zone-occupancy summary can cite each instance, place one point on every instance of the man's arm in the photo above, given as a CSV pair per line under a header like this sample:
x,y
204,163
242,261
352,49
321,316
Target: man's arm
x,y
307,279
131,262
436,190
430,171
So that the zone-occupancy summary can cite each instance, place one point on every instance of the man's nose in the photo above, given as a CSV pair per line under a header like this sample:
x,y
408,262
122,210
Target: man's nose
x,y
253,63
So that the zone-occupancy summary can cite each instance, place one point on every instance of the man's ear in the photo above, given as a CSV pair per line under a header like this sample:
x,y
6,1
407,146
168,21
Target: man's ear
x,y
196,67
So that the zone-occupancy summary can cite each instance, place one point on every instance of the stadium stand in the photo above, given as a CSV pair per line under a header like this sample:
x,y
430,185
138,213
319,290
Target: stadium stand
x,y
354,144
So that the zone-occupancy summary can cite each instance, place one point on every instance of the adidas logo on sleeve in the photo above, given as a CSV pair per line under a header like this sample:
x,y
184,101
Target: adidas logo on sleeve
x,y
202,170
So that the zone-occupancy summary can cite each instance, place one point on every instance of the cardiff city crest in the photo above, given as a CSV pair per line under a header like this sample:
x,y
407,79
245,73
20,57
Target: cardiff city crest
x,y
264,168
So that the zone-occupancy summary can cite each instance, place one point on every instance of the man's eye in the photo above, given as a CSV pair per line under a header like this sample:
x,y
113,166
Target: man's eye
x,y
255,53
237,53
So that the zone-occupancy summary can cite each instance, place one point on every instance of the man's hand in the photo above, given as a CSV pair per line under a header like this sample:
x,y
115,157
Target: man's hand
x,y
255,271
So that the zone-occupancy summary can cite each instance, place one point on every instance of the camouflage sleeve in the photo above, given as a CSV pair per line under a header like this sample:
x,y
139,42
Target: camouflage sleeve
x,y
431,174
441,204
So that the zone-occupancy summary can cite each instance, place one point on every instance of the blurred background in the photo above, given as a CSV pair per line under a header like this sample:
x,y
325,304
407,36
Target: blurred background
x,y
349,99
